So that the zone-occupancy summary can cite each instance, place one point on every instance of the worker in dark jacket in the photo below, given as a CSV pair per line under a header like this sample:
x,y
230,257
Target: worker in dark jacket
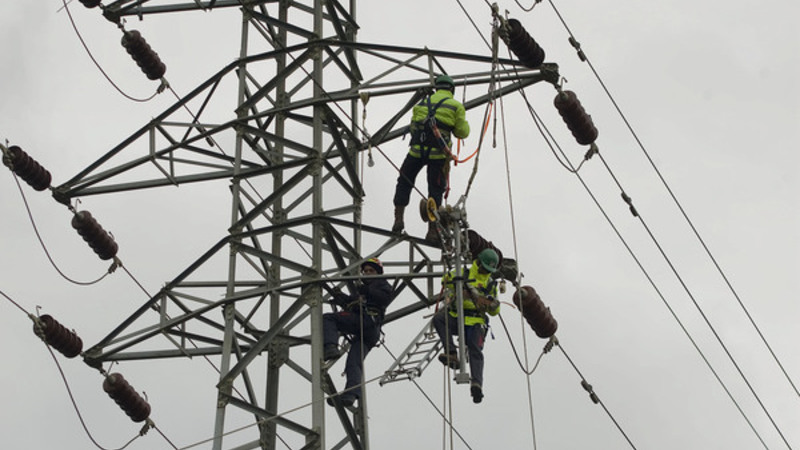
x,y
430,150
361,318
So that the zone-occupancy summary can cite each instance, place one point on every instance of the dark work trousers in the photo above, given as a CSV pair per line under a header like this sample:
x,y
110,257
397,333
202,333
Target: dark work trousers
x,y
358,326
473,337
437,180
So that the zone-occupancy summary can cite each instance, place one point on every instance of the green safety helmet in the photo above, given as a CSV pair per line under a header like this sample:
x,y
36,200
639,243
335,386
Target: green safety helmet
x,y
488,259
445,82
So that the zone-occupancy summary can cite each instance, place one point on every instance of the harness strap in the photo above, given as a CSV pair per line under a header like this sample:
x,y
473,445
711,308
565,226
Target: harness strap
x,y
425,149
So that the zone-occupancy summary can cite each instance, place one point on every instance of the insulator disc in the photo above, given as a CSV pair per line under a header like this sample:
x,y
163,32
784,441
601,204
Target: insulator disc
x,y
90,3
98,239
27,168
145,57
522,44
126,397
477,243
577,120
535,312
59,337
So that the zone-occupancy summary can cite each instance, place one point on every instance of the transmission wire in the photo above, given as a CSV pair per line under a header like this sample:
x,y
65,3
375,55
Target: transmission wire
x,y
15,303
44,246
432,403
661,295
674,270
575,170
97,64
699,309
77,410
677,203
594,397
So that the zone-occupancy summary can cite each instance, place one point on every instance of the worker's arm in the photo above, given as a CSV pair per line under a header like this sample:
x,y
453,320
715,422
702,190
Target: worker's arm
x,y
461,127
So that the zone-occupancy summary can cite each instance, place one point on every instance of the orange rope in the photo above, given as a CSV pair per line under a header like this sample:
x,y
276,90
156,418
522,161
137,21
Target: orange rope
x,y
483,134
456,161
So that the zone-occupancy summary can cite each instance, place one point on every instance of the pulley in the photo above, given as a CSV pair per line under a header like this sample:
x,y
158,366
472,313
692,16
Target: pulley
x,y
126,397
577,120
535,312
57,336
27,168
98,239
146,58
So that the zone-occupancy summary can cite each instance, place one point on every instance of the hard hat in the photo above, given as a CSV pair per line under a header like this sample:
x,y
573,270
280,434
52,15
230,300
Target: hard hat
x,y
445,82
488,259
375,263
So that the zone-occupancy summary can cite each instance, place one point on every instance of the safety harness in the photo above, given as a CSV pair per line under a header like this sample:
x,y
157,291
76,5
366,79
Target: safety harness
x,y
427,132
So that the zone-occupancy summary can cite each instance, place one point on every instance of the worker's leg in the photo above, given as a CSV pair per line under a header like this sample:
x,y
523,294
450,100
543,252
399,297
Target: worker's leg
x,y
336,324
445,326
405,181
354,366
474,339
437,180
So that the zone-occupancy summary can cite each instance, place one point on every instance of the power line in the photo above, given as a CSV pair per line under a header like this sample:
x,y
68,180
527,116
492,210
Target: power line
x,y
97,64
655,287
594,396
44,246
694,301
672,195
542,129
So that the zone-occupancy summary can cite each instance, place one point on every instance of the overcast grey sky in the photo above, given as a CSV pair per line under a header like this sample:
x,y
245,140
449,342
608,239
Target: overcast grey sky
x,y
709,87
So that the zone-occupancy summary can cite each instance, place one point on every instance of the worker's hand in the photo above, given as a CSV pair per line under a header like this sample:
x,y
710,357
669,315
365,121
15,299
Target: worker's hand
x,y
340,298
363,289
355,304
486,304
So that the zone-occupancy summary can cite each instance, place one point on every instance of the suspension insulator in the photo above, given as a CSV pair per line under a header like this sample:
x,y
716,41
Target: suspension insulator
x,y
477,243
126,397
90,3
98,239
27,168
145,57
58,336
535,312
522,44
577,120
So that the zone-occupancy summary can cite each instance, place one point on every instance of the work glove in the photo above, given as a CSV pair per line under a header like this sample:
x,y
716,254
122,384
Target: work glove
x,y
486,304
340,299
363,289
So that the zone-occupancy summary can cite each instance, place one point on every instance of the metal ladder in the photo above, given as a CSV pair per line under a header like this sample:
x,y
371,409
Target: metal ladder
x,y
415,358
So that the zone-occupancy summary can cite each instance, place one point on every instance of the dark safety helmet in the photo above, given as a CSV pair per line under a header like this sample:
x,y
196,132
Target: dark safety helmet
x,y
375,263
445,82
488,259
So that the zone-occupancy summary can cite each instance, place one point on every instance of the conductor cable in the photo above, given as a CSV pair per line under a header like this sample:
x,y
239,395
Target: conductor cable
x,y
702,242
594,396
44,246
97,64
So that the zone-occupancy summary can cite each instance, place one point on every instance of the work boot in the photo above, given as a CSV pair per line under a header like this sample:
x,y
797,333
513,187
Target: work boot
x,y
398,225
331,352
347,399
449,359
432,236
476,392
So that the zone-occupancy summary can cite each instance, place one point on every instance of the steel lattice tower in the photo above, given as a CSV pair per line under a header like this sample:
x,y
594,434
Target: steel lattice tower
x,y
290,153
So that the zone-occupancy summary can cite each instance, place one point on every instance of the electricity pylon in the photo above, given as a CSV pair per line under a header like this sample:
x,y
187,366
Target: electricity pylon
x,y
290,153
